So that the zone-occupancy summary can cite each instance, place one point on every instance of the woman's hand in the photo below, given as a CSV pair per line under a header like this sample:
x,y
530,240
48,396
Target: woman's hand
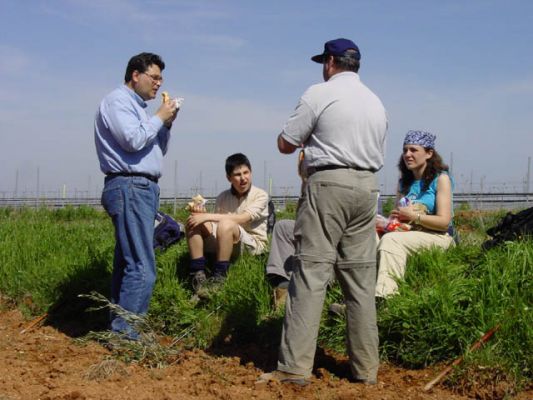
x,y
404,214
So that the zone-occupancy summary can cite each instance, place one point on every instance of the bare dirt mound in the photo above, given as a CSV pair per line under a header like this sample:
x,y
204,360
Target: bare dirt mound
x,y
43,363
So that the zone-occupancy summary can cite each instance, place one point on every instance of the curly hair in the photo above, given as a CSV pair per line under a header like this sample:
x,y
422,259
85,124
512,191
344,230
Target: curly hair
x,y
434,167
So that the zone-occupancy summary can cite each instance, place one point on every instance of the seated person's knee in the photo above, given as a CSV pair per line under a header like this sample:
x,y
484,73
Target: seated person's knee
x,y
226,227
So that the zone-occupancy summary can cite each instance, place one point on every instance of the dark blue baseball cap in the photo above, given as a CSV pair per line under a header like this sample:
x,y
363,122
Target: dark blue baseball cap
x,y
337,47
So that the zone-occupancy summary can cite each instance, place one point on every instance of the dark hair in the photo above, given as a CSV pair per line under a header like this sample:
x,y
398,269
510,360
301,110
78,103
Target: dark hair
x,y
348,61
434,166
141,62
236,160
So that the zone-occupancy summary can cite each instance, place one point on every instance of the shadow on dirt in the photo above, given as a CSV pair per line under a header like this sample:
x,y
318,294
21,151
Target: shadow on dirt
x,y
70,314
260,345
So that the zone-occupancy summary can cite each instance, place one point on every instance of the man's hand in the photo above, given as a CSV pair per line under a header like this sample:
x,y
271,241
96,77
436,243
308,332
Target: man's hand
x,y
167,112
197,208
196,219
285,147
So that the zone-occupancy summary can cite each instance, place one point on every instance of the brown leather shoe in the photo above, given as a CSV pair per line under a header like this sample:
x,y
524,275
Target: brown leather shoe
x,y
280,298
283,377
337,309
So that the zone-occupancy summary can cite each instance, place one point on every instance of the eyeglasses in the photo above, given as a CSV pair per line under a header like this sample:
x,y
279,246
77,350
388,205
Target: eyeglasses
x,y
154,78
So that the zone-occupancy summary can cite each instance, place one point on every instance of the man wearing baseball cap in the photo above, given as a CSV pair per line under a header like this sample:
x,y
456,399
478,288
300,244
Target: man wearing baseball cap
x,y
341,124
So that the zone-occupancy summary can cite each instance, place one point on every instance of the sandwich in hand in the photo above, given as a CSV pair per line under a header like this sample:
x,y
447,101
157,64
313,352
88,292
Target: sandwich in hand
x,y
197,203
178,101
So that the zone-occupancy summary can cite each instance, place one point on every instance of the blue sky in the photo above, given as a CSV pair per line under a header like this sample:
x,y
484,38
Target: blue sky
x,y
461,69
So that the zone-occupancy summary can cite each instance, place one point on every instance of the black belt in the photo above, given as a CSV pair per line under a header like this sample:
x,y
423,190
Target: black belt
x,y
312,170
147,176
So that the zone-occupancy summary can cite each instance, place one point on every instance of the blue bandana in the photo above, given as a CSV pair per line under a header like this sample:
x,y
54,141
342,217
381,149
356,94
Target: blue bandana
x,y
421,138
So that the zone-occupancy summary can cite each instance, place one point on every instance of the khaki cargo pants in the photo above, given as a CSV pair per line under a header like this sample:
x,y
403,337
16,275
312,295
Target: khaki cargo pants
x,y
334,231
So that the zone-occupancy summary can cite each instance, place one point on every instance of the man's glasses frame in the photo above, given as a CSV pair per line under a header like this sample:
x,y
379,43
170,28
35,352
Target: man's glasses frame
x,y
154,78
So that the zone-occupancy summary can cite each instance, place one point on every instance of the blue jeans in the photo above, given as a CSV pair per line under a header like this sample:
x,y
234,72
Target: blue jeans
x,y
132,204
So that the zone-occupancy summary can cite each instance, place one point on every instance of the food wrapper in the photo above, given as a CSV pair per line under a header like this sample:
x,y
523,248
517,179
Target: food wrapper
x,y
197,201
178,101
395,225
384,224
381,223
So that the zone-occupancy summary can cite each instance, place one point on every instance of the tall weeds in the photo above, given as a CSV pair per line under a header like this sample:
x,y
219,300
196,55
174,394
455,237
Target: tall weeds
x,y
445,303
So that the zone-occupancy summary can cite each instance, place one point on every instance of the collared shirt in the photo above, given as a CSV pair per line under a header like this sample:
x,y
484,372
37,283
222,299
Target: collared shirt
x,y
127,139
340,122
255,203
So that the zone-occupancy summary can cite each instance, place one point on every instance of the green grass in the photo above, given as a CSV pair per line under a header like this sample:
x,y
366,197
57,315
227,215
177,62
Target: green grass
x,y
446,302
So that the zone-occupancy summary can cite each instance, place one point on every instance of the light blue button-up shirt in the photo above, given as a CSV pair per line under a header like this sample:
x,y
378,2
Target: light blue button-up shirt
x,y
127,139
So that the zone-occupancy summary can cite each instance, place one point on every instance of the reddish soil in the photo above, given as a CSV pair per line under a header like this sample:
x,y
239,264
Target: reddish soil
x,y
43,363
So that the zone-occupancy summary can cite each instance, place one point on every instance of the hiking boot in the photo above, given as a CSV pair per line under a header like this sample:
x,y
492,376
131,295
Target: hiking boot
x,y
280,298
198,279
210,286
337,309
367,382
283,377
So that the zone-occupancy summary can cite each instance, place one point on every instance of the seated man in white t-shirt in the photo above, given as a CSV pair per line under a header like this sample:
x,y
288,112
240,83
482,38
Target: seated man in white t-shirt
x,y
238,223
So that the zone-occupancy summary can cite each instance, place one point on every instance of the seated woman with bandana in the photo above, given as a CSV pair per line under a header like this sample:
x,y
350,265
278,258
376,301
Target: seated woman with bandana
x,y
425,200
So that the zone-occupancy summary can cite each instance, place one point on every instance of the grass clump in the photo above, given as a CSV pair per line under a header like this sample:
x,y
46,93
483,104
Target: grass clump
x,y
145,351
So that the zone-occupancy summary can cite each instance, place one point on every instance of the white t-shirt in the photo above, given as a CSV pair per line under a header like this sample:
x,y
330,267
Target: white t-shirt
x,y
254,203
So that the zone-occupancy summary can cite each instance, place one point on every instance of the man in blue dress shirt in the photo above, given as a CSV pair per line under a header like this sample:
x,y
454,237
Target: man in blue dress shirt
x,y
130,146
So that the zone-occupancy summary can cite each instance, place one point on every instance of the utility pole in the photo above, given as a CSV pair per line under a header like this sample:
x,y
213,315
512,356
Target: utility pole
x,y
528,188
451,163
175,185
264,174
16,183
38,184
200,183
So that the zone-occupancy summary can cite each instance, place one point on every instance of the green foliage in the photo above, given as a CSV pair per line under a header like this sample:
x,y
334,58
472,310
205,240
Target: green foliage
x,y
388,206
47,256
288,212
448,300
445,303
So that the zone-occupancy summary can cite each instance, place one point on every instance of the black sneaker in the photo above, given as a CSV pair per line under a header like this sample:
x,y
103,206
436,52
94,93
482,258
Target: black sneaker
x,y
210,286
198,279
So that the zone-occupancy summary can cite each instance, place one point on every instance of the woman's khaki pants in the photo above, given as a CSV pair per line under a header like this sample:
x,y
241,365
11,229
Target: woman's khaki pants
x,y
393,249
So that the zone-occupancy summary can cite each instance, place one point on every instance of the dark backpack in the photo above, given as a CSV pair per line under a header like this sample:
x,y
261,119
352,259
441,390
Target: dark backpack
x,y
167,231
271,220
511,227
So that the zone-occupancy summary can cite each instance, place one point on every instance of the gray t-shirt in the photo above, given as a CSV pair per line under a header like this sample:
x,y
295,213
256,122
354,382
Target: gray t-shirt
x,y
340,122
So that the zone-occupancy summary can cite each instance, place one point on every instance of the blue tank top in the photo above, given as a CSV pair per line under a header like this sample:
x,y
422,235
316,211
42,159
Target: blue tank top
x,y
429,196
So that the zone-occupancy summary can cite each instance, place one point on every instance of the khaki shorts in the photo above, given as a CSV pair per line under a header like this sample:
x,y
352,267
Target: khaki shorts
x,y
246,243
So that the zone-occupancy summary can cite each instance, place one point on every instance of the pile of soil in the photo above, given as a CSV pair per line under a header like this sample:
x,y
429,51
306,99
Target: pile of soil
x,y
43,363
